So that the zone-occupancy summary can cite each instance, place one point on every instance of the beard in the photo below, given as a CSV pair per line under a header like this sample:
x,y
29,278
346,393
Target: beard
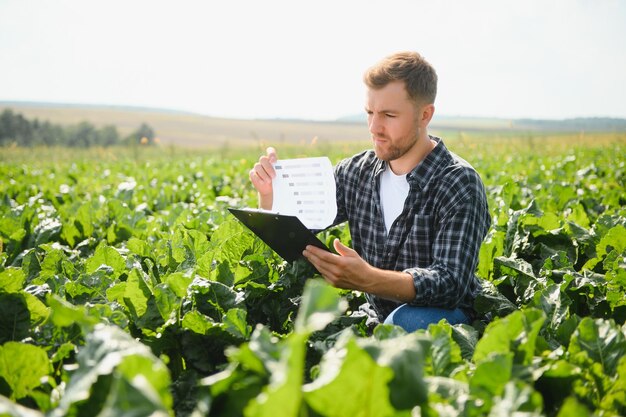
x,y
389,151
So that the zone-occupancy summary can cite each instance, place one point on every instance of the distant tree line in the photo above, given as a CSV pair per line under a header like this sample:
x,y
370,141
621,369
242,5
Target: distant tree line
x,y
16,129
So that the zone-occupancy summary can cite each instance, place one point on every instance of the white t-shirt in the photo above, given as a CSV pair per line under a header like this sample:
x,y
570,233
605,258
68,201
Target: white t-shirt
x,y
393,192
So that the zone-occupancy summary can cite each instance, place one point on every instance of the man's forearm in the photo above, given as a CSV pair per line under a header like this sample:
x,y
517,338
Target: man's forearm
x,y
392,285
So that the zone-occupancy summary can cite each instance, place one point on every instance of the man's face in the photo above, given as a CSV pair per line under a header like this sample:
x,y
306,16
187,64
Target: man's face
x,y
392,121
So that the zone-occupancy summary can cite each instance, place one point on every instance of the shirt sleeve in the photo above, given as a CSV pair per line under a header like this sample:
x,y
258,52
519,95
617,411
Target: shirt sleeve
x,y
458,236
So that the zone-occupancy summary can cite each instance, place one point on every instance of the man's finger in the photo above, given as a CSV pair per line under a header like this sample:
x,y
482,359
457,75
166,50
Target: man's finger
x,y
322,254
261,170
265,165
253,176
271,154
324,269
256,180
328,264
342,249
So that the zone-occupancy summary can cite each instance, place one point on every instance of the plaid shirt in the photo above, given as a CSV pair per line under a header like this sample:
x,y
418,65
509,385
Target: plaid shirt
x,y
437,236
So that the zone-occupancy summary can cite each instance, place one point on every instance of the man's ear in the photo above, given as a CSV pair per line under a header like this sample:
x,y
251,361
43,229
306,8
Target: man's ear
x,y
426,113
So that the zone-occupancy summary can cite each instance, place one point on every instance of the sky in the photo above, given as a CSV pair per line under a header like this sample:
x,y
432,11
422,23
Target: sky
x,y
290,59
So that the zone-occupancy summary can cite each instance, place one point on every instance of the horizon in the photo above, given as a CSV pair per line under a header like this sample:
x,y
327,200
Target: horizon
x,y
554,61
349,118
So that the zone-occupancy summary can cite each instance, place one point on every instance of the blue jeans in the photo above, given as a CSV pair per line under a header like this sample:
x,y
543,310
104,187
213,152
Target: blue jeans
x,y
411,318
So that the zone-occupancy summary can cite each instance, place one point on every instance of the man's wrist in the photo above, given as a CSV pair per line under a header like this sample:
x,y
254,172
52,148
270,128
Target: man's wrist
x,y
266,202
394,285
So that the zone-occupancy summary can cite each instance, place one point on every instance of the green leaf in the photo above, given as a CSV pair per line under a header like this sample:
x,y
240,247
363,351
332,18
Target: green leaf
x,y
70,234
30,264
197,243
600,340
139,247
404,356
147,384
514,240
235,323
108,256
38,310
165,300
466,337
56,262
525,282
445,353
615,399
491,248
446,397
554,303
116,375
85,220
235,387
587,292
251,268
350,383
182,251
22,366
578,215
197,322
571,407
491,300
15,317
615,239
283,395
547,222
320,305
46,231
136,293
64,314
213,298
557,379
11,280
220,271
566,329
384,331
509,193
127,397
178,283
491,375
63,352
518,398
516,333
230,240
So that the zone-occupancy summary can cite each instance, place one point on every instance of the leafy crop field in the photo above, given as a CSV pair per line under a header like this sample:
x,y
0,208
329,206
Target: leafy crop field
x,y
127,289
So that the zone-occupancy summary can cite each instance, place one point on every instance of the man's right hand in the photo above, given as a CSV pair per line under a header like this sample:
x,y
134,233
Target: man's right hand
x,y
261,177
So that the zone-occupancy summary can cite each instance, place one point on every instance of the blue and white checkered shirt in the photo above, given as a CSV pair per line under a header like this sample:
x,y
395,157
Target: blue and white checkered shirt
x,y
437,236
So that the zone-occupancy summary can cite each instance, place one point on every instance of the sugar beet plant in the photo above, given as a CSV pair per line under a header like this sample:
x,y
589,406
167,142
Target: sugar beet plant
x,y
127,289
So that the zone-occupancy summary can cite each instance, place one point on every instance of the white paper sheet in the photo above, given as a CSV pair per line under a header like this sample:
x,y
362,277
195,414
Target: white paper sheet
x,y
305,188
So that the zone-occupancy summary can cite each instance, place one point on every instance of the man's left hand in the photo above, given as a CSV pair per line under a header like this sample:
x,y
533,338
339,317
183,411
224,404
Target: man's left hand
x,y
346,270
349,271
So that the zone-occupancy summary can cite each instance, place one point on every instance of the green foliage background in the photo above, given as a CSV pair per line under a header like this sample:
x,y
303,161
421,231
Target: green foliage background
x,y
125,287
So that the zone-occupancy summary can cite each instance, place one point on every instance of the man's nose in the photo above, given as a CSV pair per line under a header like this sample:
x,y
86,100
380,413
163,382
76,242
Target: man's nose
x,y
375,125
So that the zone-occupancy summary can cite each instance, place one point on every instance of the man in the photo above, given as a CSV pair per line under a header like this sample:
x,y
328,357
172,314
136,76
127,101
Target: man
x,y
417,213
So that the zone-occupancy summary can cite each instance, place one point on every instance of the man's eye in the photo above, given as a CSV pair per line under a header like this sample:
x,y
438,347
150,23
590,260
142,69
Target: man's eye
x,y
390,115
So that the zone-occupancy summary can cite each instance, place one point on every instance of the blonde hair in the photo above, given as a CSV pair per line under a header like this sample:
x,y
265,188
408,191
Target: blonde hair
x,y
419,77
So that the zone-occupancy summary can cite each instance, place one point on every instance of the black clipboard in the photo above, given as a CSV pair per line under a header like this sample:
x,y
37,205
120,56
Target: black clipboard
x,y
285,234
